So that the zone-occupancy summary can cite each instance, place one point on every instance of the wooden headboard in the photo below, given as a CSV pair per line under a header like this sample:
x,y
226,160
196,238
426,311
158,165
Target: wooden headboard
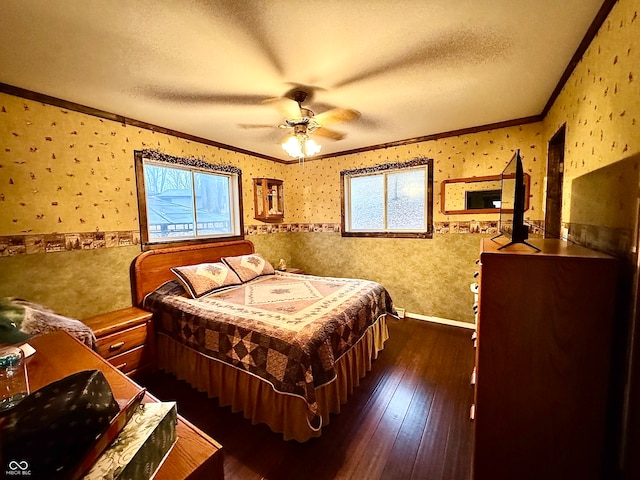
x,y
151,269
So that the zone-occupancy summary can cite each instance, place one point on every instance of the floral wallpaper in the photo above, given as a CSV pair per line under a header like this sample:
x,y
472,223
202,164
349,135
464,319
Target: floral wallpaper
x,y
68,182
67,179
61,174
601,101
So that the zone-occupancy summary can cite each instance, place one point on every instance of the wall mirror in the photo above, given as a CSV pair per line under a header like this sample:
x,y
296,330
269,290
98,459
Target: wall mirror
x,y
475,194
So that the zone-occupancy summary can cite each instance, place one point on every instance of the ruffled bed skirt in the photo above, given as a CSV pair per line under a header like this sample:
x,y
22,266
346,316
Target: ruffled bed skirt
x,y
259,402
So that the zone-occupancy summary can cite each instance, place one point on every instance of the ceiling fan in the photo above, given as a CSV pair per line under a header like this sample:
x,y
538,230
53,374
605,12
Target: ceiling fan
x,y
301,121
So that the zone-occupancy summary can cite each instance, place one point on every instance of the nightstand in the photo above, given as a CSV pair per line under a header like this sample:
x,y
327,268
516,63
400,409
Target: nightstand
x,y
124,338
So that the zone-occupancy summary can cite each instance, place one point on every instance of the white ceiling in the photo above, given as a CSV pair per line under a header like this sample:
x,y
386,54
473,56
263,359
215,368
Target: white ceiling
x,y
412,68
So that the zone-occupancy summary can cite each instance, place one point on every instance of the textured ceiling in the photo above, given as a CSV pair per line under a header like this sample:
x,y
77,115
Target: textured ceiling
x,y
412,68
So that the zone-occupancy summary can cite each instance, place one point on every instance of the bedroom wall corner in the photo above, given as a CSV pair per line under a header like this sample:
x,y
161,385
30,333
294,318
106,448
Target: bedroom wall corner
x,y
274,246
426,277
436,273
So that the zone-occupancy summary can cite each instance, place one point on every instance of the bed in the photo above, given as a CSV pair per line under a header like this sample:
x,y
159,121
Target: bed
x,y
285,349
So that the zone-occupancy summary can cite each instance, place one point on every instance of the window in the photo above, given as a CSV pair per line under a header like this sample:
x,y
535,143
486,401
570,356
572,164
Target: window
x,y
184,200
389,200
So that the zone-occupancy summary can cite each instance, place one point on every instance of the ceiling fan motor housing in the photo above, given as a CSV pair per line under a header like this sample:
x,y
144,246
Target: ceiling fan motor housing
x,y
299,96
300,129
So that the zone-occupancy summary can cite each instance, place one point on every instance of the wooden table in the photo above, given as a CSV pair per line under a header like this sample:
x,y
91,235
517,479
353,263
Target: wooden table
x,y
194,456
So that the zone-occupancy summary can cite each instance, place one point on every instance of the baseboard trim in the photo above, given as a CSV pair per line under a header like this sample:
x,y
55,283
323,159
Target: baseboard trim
x,y
443,321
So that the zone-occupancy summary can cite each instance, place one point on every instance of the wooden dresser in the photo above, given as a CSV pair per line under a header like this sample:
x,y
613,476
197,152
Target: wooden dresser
x,y
544,336
195,456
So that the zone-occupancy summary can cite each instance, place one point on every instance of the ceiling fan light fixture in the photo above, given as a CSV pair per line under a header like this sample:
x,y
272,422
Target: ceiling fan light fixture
x,y
312,147
300,146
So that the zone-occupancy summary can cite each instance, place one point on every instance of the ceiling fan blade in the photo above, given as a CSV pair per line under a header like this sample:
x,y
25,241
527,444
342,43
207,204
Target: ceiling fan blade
x,y
336,115
299,95
177,96
328,133
320,107
287,108
256,125
457,48
250,17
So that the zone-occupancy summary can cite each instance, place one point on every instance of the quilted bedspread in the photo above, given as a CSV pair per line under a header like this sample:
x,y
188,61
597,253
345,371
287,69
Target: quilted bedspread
x,y
287,329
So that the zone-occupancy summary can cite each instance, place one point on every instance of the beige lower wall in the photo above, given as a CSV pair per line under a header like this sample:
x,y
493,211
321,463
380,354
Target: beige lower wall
x,y
425,276
78,283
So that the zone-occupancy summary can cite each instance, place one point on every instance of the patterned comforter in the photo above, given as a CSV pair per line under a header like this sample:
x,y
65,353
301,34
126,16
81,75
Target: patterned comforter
x,y
288,329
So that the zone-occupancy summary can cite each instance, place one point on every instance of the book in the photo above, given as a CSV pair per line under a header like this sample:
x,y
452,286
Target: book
x,y
142,445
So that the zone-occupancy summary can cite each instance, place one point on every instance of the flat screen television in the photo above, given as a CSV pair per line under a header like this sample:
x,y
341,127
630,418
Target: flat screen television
x,y
513,203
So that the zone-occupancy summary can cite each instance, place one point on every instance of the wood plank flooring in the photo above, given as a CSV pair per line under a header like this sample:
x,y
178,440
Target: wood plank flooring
x,y
409,419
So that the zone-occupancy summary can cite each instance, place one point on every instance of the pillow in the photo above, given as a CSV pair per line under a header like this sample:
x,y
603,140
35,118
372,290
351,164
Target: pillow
x,y
249,267
206,278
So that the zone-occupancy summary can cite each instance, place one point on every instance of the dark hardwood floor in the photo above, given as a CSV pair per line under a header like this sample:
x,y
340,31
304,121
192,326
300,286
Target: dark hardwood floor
x,y
409,419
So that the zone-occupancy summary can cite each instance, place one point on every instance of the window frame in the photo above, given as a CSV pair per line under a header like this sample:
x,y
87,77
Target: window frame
x,y
193,166
387,168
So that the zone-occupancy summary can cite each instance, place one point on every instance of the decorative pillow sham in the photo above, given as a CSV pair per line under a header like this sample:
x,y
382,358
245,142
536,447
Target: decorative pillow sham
x,y
205,278
248,267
